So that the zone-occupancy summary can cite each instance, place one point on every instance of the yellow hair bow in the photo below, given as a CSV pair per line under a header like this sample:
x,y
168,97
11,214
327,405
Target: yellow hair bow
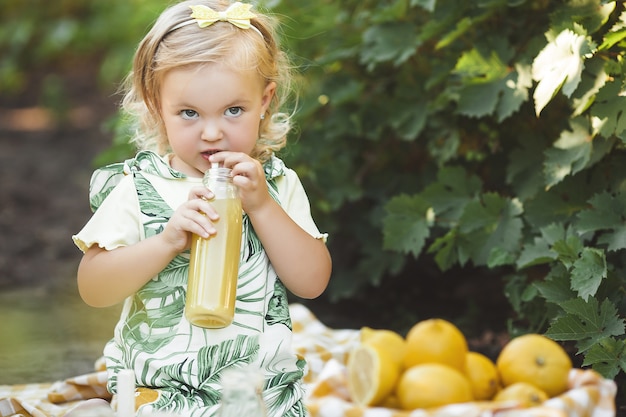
x,y
238,14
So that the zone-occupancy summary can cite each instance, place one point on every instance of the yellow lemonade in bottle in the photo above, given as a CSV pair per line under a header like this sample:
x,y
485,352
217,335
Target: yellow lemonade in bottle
x,y
214,266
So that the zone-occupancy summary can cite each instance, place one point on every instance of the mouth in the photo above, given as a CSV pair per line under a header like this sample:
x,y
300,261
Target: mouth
x,y
207,154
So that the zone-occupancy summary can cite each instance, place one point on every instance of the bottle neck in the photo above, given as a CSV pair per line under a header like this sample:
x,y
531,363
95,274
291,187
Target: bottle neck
x,y
220,182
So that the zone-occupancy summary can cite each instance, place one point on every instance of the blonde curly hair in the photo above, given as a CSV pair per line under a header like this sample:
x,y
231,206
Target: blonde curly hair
x,y
172,44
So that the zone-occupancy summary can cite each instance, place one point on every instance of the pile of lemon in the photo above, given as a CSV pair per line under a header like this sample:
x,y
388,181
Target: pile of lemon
x,y
433,367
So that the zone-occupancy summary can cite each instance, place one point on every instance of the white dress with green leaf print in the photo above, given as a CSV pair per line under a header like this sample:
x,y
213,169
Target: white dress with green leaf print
x,y
134,200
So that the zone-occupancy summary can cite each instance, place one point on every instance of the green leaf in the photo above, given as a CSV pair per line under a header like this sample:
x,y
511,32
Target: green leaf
x,y
568,249
535,253
524,172
607,210
607,213
607,357
444,249
559,65
491,223
570,154
395,42
481,65
500,257
554,232
428,5
392,11
588,272
614,240
445,148
452,191
487,79
514,285
612,38
586,322
479,99
406,225
596,77
408,118
514,92
461,27
609,110
555,288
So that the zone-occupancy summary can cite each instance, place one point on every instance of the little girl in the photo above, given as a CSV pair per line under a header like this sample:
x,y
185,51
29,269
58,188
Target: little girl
x,y
207,84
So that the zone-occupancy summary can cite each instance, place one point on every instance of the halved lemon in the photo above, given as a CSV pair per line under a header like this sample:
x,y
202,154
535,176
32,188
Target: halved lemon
x,y
372,374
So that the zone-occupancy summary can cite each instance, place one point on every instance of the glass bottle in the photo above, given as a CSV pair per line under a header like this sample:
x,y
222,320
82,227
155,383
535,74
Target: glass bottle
x,y
242,391
214,261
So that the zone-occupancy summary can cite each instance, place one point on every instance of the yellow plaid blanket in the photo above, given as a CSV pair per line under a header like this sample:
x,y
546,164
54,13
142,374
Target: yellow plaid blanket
x,y
326,352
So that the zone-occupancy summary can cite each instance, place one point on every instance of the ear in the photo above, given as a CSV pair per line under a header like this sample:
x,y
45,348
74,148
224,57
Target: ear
x,y
268,95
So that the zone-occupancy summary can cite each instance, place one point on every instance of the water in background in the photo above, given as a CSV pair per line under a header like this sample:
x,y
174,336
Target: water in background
x,y
49,334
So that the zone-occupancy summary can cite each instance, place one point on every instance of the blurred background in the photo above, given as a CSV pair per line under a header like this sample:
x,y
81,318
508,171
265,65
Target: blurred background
x,y
459,172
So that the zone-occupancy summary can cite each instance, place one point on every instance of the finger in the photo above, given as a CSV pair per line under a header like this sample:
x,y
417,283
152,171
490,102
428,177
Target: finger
x,y
200,193
200,224
229,159
249,169
203,207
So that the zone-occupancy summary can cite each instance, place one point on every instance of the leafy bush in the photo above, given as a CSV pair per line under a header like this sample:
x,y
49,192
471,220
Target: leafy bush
x,y
487,135
51,36
484,138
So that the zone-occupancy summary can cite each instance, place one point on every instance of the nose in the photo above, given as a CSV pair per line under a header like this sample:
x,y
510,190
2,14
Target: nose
x,y
211,130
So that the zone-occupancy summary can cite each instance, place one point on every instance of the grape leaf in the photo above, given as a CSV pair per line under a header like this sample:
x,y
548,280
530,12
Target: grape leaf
x,y
606,214
610,110
555,288
570,154
568,249
479,99
587,322
408,118
554,232
454,189
499,257
489,85
444,249
395,42
612,38
607,357
559,66
515,91
588,272
606,211
428,5
524,171
406,225
491,223
536,253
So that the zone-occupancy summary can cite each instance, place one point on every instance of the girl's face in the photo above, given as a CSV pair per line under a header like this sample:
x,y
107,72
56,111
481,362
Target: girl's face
x,y
211,108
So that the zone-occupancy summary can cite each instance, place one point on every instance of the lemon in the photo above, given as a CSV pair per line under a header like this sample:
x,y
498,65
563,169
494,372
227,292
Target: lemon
x,y
385,339
372,374
535,359
435,340
483,375
432,385
524,393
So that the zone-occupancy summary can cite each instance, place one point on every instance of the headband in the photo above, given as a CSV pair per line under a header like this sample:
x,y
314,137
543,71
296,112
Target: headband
x,y
237,14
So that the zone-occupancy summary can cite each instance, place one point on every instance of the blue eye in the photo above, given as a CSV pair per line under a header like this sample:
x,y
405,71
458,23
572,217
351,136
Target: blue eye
x,y
189,114
233,111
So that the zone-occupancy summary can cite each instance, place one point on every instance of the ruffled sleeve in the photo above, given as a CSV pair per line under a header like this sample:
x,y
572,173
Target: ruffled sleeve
x,y
116,222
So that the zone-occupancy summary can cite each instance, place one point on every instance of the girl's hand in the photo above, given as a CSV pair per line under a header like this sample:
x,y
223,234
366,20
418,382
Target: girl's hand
x,y
248,176
196,215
